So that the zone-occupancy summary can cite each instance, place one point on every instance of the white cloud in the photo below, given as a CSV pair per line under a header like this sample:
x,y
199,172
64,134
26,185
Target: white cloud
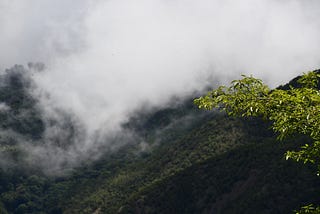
x,y
106,59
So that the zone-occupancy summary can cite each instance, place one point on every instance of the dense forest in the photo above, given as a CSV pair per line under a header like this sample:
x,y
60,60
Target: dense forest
x,y
193,161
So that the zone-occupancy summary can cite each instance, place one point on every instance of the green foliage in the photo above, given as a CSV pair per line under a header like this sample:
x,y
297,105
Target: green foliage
x,y
251,178
188,174
192,162
292,111
309,209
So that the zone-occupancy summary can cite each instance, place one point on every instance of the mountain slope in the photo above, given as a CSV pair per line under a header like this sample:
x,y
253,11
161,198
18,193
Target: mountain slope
x,y
249,179
182,160
219,167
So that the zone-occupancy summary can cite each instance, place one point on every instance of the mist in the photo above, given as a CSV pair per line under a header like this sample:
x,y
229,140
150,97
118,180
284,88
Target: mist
x,y
107,59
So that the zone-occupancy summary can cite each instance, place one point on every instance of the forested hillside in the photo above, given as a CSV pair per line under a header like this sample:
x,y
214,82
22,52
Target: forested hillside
x,y
183,160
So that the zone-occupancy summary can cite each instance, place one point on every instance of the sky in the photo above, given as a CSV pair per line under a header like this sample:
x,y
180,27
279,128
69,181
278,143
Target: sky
x,y
107,59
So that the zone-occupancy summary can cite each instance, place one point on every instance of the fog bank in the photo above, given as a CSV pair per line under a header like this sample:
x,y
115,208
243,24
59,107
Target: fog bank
x,y
107,59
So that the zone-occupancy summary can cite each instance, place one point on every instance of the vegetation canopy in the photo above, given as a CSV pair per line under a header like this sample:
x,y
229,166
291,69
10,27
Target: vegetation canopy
x,y
295,110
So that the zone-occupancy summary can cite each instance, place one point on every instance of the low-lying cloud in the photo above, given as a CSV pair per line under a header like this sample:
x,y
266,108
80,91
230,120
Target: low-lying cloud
x,y
106,59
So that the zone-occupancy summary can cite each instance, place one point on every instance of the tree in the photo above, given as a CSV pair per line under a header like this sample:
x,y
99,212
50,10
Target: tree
x,y
292,111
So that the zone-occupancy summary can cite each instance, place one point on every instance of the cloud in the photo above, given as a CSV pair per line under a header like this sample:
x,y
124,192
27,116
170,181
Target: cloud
x,y
38,30
106,59
4,107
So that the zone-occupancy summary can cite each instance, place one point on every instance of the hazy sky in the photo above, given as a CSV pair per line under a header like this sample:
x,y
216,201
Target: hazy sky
x,y
105,59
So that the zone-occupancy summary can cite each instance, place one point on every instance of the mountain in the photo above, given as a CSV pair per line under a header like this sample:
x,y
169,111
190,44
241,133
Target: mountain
x,y
182,160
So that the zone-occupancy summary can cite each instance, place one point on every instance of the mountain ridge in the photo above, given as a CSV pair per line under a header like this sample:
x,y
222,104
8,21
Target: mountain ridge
x,y
182,160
